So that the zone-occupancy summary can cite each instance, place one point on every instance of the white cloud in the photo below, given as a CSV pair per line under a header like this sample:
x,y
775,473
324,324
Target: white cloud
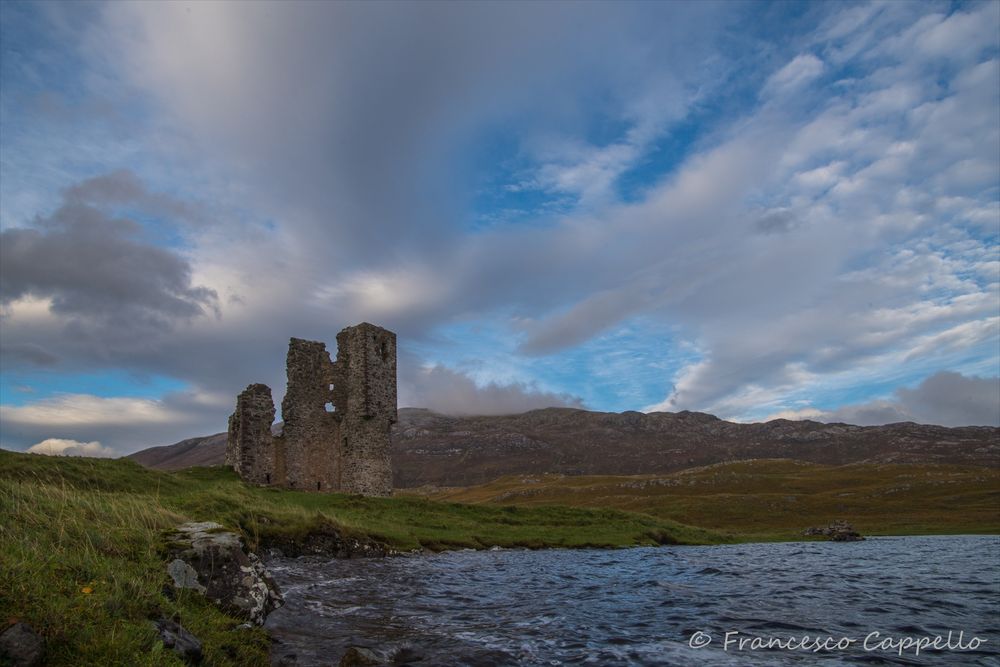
x,y
799,414
443,390
62,447
799,71
821,177
121,424
945,399
959,36
959,337
81,410
858,186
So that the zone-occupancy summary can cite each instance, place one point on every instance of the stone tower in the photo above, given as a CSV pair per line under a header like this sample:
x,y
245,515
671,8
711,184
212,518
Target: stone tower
x,y
364,396
250,448
337,418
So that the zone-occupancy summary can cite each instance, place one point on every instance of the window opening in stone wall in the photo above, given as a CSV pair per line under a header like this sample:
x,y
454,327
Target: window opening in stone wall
x,y
318,485
267,477
383,350
330,407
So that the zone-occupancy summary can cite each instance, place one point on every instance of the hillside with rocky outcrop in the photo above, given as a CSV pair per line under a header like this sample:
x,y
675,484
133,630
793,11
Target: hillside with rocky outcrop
x,y
431,448
209,450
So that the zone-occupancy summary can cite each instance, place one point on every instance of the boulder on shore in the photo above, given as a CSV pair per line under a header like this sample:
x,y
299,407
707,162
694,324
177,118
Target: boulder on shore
x,y
838,531
21,646
211,560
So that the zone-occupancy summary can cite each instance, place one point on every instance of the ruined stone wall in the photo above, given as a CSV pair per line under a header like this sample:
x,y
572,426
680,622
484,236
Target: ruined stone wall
x,y
280,477
337,418
366,369
311,432
250,446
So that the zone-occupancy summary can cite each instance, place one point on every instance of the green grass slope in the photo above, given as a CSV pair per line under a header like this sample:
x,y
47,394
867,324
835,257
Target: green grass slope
x,y
81,560
773,499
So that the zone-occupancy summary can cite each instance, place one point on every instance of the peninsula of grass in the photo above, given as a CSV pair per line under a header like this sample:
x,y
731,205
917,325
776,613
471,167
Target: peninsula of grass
x,y
81,542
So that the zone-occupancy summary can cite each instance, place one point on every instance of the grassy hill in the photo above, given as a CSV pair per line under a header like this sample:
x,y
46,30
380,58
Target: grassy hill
x,y
81,559
772,499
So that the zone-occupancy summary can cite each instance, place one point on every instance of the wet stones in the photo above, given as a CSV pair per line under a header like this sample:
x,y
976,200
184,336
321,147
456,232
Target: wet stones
x,y
331,543
358,656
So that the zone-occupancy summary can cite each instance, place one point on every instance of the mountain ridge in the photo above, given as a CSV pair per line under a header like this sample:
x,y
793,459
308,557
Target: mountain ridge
x,y
430,448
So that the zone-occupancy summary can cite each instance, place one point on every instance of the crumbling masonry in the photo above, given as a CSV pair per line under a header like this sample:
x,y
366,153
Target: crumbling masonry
x,y
337,417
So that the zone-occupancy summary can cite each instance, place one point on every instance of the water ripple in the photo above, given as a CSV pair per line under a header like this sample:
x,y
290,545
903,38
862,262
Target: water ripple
x,y
642,606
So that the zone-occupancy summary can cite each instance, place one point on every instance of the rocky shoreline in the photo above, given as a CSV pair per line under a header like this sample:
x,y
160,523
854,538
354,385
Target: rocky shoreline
x,y
207,558
330,543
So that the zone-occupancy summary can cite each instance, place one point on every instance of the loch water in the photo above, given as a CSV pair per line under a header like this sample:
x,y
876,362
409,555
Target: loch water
x,y
651,606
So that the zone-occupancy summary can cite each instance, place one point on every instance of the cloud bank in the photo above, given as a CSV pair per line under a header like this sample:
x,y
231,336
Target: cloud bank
x,y
95,270
945,398
812,219
59,447
446,391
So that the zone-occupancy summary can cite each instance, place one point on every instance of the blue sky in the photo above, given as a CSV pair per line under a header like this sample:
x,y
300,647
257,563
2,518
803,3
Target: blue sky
x,y
756,210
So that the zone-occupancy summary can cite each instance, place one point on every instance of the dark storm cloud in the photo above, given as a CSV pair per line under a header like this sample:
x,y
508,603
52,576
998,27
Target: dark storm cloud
x,y
122,187
96,268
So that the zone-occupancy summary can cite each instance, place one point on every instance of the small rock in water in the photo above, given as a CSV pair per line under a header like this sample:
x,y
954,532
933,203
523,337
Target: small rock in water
x,y
22,646
405,656
175,637
358,656
838,531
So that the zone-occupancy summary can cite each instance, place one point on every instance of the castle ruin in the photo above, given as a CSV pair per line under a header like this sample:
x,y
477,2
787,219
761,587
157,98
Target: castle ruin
x,y
337,417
